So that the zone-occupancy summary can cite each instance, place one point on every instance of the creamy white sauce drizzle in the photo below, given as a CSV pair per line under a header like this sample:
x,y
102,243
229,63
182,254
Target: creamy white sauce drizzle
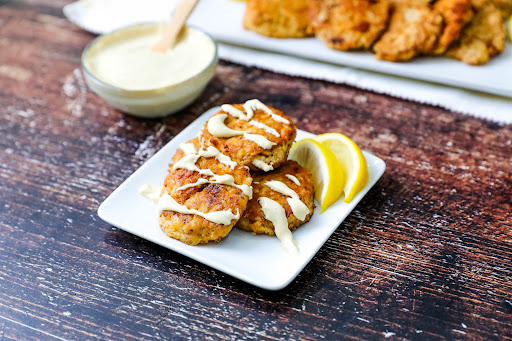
x,y
217,128
299,209
260,140
199,182
234,112
225,179
211,151
167,203
151,192
293,178
278,118
200,138
265,127
188,148
248,109
188,162
276,214
262,165
255,104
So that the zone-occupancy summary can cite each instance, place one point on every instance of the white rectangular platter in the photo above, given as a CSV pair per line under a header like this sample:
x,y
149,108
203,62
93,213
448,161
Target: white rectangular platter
x,y
258,260
223,20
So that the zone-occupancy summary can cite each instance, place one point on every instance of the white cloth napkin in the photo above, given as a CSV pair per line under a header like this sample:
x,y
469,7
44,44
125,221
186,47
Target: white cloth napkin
x,y
103,16
474,103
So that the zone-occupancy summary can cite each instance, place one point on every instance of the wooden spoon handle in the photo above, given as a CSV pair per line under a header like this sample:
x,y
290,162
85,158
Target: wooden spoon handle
x,y
171,31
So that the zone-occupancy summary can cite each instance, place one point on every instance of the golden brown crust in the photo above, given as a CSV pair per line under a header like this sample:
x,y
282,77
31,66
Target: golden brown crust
x,y
193,229
505,7
348,24
456,15
413,30
253,219
483,38
277,18
244,151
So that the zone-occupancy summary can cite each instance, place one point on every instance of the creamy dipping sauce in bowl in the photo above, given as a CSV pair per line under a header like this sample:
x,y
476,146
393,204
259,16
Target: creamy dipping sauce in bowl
x,y
122,68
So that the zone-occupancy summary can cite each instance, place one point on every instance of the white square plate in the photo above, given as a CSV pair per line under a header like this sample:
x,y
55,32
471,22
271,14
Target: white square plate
x,y
258,260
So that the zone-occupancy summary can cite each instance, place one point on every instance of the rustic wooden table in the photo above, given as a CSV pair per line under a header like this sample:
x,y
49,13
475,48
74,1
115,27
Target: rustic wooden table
x,y
426,255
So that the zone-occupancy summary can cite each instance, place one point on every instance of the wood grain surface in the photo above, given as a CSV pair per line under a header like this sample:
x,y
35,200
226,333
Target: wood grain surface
x,y
426,255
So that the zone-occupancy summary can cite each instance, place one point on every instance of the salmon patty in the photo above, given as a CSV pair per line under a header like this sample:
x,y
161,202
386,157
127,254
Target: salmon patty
x,y
205,184
251,134
277,18
295,177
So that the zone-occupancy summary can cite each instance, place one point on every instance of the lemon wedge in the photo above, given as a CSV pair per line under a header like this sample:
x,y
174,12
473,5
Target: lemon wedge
x,y
351,159
327,173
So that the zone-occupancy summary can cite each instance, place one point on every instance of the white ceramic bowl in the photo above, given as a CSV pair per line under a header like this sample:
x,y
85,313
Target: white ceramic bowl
x,y
147,103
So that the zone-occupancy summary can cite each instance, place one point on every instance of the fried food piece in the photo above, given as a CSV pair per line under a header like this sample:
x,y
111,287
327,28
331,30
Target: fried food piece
x,y
348,24
248,153
413,30
277,18
456,15
194,229
253,219
482,39
185,148
504,6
